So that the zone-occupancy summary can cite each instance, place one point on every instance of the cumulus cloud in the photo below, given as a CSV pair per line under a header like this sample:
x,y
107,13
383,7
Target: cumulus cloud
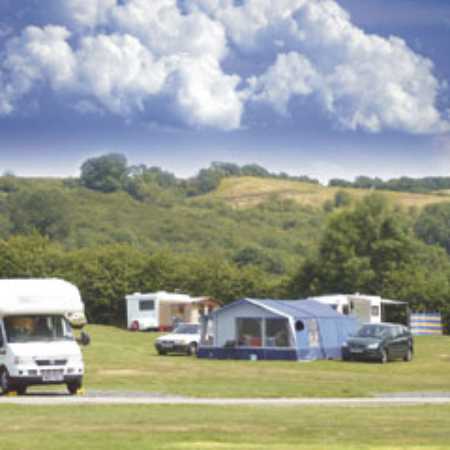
x,y
38,55
126,56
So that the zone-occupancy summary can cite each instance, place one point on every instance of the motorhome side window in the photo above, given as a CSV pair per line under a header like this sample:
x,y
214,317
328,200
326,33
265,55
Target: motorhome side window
x,y
146,305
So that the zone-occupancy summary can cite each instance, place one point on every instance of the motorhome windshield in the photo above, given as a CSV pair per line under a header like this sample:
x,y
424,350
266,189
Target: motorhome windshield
x,y
35,328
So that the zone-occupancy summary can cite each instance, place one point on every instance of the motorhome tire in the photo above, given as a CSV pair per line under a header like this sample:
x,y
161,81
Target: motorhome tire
x,y
5,385
21,390
73,388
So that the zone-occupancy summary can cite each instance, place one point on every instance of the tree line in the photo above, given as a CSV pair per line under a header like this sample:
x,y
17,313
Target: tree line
x,y
403,184
111,172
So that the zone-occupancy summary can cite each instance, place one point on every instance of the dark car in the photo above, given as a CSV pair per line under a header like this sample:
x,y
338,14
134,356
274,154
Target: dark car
x,y
381,342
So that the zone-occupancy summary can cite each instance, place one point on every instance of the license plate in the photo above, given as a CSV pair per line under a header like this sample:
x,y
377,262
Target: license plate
x,y
167,344
356,350
53,375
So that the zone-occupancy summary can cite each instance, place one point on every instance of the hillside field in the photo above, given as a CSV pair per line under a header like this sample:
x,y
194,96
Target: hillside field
x,y
246,192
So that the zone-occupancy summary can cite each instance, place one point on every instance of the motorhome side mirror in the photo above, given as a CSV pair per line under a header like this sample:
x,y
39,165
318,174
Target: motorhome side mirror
x,y
84,339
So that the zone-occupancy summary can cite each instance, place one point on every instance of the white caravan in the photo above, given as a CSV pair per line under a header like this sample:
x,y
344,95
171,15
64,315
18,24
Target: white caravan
x,y
156,311
367,308
37,345
164,310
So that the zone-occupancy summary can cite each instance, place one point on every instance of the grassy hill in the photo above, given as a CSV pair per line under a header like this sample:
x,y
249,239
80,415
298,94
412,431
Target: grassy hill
x,y
278,222
247,192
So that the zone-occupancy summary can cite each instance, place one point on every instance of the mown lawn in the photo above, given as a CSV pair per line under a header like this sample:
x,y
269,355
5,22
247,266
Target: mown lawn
x,y
197,427
122,360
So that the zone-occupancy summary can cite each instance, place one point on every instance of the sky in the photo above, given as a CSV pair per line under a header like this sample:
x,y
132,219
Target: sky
x,y
325,88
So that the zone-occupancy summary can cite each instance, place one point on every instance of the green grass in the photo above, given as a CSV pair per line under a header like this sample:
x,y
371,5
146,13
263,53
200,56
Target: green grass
x,y
199,427
122,360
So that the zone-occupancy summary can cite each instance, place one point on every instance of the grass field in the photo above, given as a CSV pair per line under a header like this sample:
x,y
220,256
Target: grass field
x,y
246,192
196,428
122,360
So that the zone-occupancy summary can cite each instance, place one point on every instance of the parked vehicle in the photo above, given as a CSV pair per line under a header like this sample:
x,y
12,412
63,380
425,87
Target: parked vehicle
x,y
37,345
162,311
184,339
379,342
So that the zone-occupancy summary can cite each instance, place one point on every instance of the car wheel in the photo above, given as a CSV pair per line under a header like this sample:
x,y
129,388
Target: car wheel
x,y
408,355
192,349
5,384
162,352
73,388
384,356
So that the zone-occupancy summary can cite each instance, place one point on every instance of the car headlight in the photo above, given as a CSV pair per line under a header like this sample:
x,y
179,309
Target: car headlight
x,y
345,344
373,346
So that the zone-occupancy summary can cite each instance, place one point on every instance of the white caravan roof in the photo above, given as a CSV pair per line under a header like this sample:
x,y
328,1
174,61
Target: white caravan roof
x,y
39,296
162,296
335,299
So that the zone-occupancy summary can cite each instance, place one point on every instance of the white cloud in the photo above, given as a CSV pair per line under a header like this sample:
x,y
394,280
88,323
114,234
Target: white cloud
x,y
81,13
363,81
124,56
118,71
292,74
37,55
205,95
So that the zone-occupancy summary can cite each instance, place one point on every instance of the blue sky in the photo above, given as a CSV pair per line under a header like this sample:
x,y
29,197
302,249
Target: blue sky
x,y
328,88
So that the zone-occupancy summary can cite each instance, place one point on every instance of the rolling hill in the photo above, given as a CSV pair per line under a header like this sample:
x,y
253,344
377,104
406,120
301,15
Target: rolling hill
x,y
247,192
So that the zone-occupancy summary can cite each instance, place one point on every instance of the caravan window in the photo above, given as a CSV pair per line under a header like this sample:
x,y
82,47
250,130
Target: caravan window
x,y
277,333
249,332
146,305
375,311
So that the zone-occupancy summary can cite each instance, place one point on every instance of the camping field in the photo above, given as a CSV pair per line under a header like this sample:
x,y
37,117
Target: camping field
x,y
225,428
120,360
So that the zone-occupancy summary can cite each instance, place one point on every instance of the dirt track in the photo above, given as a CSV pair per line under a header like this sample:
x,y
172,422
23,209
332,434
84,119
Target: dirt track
x,y
109,398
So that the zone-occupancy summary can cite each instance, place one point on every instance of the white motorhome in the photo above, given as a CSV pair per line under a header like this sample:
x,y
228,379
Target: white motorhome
x,y
37,345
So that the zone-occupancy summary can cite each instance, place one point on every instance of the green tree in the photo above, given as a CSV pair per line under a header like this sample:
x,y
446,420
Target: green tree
x,y
106,173
342,199
372,249
43,210
433,225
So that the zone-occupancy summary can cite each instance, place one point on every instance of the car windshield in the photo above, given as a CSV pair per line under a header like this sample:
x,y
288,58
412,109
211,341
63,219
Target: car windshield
x,y
37,328
373,331
187,328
